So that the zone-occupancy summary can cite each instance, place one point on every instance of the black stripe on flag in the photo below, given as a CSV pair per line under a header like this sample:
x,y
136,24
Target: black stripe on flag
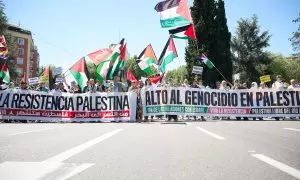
x,y
178,30
164,5
163,52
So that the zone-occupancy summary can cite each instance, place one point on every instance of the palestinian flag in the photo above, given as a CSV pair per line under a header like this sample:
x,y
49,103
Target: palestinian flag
x,y
4,74
99,55
120,61
169,53
130,77
173,13
3,48
146,58
157,78
206,61
185,32
104,68
78,70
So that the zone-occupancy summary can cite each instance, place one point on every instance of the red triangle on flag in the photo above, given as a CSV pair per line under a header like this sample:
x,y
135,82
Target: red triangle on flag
x,y
156,79
172,46
79,66
130,77
190,32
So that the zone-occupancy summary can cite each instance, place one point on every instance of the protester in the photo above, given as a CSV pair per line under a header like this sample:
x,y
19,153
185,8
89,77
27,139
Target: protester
x,y
139,109
185,83
263,86
74,88
148,85
42,87
118,86
218,85
278,84
62,87
85,89
3,86
92,88
254,85
23,85
293,85
224,86
175,117
56,88
100,86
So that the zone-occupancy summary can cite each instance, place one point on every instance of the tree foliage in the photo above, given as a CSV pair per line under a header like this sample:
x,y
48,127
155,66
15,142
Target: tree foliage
x,y
250,59
10,41
286,67
213,40
178,74
295,39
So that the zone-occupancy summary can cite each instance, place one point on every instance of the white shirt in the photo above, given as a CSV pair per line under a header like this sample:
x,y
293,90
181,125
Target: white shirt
x,y
278,85
293,87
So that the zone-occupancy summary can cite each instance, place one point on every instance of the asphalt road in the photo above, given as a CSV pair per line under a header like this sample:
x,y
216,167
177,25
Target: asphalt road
x,y
197,150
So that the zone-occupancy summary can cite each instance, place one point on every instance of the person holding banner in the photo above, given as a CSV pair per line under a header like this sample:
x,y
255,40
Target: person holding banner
x,y
23,85
293,85
175,117
74,88
139,109
148,85
278,84
56,88
263,86
92,88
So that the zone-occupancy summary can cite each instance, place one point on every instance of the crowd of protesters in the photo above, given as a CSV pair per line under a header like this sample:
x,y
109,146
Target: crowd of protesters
x,y
115,86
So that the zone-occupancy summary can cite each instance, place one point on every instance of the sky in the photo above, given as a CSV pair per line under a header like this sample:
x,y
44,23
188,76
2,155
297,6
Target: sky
x,y
66,30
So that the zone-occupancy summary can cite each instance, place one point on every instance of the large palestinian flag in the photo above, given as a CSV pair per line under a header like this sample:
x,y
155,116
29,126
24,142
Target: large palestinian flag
x,y
173,13
169,53
99,55
78,70
4,74
185,32
104,68
120,61
146,58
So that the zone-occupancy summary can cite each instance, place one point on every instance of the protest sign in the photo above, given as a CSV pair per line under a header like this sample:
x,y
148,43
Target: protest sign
x,y
44,79
33,105
59,80
34,80
211,102
197,70
57,71
265,78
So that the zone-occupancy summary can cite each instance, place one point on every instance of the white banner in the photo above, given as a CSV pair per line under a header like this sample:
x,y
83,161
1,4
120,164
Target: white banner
x,y
59,80
33,105
197,70
34,80
212,102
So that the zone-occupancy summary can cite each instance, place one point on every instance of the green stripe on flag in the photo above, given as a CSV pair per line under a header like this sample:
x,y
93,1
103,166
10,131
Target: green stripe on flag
x,y
166,61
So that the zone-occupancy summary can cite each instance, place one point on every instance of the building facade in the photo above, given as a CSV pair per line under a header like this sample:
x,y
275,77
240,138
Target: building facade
x,y
27,56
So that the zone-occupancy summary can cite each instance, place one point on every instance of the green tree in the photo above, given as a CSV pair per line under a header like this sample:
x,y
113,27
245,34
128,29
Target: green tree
x,y
250,59
178,74
10,41
296,37
213,40
286,67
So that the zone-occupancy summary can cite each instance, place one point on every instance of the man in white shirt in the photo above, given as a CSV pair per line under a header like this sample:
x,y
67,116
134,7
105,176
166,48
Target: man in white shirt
x,y
278,84
293,85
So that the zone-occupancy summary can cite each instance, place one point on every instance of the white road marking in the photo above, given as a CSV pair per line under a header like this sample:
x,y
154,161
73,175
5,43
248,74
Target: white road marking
x,y
251,151
283,167
40,170
26,132
71,152
211,134
292,129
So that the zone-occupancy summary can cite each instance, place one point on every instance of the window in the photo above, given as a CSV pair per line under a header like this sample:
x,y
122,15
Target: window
x,y
20,51
19,60
20,71
20,41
